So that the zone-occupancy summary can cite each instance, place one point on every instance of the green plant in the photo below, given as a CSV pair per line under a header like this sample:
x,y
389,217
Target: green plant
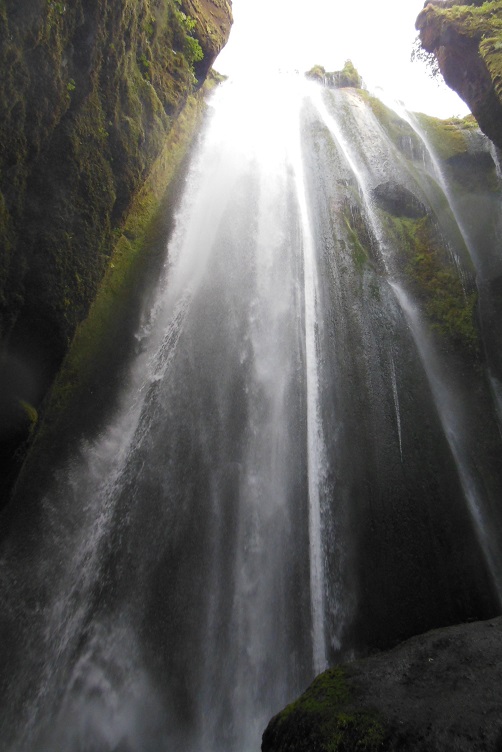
x,y
145,65
192,49
428,60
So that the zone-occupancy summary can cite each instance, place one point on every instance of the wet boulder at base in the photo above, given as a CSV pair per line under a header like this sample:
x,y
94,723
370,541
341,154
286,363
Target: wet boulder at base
x,y
465,36
439,691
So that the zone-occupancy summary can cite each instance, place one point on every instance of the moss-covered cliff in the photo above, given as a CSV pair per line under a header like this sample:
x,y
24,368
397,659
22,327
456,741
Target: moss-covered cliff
x,y
466,38
88,94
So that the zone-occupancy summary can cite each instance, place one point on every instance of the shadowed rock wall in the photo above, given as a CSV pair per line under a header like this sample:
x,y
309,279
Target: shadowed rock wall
x,y
88,94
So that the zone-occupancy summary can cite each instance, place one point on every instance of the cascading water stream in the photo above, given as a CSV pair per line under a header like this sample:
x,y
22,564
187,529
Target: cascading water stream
x,y
411,119
316,447
449,409
396,404
477,258
274,489
238,446
451,413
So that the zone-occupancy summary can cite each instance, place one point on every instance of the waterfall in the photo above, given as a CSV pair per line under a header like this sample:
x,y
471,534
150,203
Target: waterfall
x,y
286,479
454,423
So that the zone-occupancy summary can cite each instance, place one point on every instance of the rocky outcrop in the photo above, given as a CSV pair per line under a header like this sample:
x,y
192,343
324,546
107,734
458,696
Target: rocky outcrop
x,y
435,692
211,29
347,77
398,200
88,94
466,39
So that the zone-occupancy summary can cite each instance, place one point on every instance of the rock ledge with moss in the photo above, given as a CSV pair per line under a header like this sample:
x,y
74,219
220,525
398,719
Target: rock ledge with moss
x,y
435,692
90,94
465,36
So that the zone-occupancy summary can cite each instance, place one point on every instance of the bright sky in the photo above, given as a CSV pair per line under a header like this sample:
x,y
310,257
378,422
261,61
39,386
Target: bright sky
x,y
377,35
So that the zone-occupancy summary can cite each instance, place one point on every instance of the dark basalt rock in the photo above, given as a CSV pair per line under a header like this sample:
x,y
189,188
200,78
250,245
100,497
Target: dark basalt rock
x,y
435,692
398,200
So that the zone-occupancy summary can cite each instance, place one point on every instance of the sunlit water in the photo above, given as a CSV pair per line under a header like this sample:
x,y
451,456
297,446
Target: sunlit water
x,y
238,524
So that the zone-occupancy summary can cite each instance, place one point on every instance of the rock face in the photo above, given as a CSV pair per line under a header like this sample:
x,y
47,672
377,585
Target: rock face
x,y
435,692
466,38
212,25
397,200
89,91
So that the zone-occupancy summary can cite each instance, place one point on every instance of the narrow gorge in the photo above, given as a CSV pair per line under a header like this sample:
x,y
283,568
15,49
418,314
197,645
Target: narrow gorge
x,y
271,443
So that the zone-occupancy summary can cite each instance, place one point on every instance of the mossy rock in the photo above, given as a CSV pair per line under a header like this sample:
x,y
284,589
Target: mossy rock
x,y
466,39
88,97
347,77
326,718
89,94
104,339
434,692
317,73
449,300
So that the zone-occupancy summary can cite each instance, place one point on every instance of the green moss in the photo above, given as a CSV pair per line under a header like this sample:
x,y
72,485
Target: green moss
x,y
79,129
490,49
399,131
359,253
326,718
98,332
88,97
451,143
446,138
347,77
328,690
479,21
317,73
429,267
30,412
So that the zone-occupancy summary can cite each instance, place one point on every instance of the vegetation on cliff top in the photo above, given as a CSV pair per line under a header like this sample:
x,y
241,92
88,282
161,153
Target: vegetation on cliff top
x,y
482,22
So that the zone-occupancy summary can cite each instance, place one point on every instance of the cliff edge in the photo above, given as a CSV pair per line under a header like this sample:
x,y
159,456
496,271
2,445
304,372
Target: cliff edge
x,y
466,39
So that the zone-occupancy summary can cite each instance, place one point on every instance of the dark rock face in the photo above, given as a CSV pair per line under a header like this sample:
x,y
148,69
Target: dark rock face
x,y
398,200
465,39
88,93
435,692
